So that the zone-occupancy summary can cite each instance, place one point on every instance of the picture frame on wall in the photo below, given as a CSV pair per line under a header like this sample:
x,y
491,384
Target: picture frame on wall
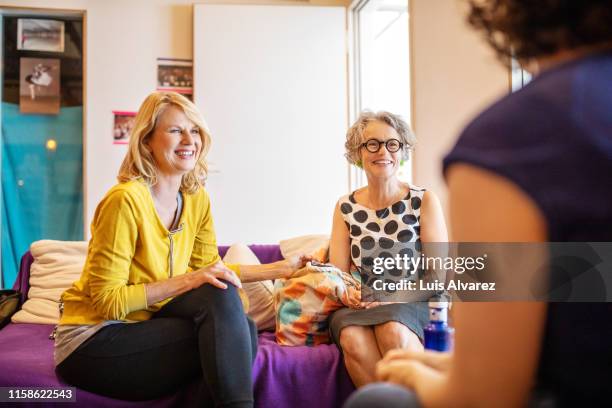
x,y
40,35
175,75
122,126
39,85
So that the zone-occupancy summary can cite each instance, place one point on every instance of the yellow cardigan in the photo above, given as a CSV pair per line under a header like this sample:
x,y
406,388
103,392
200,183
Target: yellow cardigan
x,y
129,247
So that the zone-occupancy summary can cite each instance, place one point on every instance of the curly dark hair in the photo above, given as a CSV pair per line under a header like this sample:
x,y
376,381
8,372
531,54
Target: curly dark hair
x,y
533,28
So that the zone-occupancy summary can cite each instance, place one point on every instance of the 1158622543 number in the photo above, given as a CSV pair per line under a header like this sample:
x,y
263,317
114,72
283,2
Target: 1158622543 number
x,y
33,394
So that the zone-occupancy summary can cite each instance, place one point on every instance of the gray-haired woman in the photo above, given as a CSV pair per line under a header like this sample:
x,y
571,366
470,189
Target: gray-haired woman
x,y
385,209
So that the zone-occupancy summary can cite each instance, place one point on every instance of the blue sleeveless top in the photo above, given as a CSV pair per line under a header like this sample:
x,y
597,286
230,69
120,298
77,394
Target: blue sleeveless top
x,y
553,139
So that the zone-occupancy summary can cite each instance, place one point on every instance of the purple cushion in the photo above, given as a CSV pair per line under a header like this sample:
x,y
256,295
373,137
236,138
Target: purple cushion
x,y
284,377
299,376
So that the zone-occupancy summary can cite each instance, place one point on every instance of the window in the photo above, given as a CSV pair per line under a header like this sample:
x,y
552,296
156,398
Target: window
x,y
380,64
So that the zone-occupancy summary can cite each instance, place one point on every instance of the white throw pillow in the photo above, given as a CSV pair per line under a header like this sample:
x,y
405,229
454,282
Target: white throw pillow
x,y
57,264
261,294
305,244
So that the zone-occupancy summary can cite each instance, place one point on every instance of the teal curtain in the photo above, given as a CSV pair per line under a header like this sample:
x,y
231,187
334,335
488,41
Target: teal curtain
x,y
42,184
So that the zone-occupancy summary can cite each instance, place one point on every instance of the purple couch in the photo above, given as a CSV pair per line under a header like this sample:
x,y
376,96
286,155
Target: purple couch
x,y
288,377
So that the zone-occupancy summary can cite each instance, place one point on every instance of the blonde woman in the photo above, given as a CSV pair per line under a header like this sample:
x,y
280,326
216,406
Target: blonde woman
x,y
155,307
386,209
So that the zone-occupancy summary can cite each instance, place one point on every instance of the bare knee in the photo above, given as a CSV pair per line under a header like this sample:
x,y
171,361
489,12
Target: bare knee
x,y
354,341
392,335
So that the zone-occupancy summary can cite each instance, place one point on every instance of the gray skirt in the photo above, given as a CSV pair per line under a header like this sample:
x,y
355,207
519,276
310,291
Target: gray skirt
x,y
412,315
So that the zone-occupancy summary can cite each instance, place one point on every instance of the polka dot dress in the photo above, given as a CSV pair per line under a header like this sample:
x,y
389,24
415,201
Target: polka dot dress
x,y
399,222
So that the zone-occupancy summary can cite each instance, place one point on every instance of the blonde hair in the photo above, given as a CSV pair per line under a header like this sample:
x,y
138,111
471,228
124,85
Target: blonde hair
x,y
139,162
354,136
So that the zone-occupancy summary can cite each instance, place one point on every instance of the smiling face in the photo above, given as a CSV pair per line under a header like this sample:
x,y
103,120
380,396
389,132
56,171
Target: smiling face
x,y
381,164
175,142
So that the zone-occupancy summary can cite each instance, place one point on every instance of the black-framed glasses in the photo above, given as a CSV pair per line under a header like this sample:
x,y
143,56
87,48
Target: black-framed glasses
x,y
373,145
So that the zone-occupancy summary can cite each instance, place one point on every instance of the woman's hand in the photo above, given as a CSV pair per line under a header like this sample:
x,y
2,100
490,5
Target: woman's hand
x,y
292,264
160,290
211,275
433,359
407,368
402,372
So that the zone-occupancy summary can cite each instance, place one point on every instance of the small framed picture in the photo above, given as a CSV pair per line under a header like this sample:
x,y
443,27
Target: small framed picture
x,y
40,35
39,85
175,75
122,127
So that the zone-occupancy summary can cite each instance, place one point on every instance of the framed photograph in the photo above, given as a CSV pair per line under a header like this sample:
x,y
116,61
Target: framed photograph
x,y
122,127
40,35
175,75
39,85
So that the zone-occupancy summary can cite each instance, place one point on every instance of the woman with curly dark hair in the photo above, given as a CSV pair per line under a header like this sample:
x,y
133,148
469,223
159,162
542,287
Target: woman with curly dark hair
x,y
536,166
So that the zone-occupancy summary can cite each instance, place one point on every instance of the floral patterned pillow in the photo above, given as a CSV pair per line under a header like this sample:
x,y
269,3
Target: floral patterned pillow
x,y
304,302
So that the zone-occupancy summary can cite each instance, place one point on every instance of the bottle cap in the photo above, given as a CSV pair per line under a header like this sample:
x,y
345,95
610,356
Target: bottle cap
x,y
438,314
439,301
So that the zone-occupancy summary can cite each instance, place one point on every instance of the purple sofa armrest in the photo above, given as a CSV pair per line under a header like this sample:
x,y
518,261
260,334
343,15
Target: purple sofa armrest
x,y
22,283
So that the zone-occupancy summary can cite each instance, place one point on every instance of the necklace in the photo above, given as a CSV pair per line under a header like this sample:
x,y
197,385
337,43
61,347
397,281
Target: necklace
x,y
168,214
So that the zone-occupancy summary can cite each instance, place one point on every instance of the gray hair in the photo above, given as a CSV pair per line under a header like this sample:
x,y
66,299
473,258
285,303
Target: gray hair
x,y
354,136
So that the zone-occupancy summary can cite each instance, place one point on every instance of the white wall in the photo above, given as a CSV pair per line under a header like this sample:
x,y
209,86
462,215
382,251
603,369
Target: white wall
x,y
455,75
273,90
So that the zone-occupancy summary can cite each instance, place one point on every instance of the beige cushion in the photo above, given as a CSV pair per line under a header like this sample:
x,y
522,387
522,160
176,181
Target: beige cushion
x,y
57,264
316,245
261,294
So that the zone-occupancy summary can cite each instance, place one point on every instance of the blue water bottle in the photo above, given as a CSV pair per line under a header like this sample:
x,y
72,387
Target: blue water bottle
x,y
438,335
